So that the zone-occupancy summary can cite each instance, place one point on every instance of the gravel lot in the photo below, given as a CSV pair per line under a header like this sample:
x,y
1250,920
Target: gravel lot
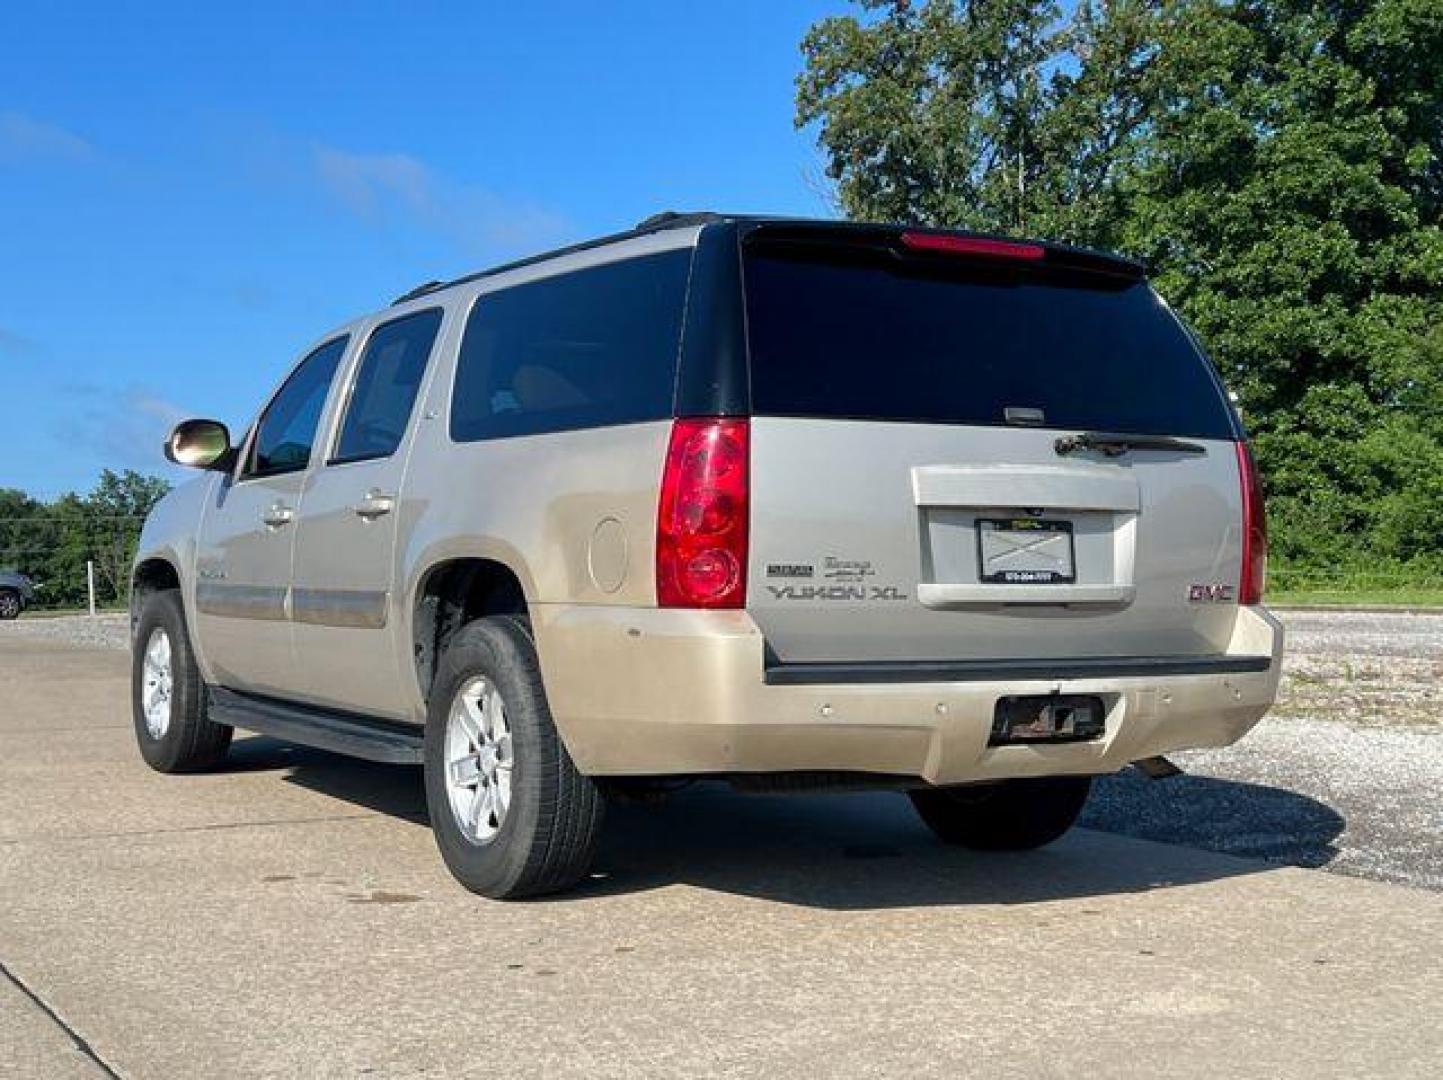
x,y
1374,669
112,629
1345,774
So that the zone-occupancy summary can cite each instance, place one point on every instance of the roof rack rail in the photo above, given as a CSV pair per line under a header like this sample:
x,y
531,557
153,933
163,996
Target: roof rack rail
x,y
420,290
676,219
668,219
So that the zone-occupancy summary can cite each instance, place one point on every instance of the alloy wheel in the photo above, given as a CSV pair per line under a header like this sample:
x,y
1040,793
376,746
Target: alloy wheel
x,y
157,684
479,760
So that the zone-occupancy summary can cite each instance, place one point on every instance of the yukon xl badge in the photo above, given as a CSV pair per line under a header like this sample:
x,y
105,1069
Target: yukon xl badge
x,y
836,592
1214,593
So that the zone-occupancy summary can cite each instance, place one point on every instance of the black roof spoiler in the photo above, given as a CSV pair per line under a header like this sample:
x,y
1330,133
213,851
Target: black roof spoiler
x,y
775,225
911,242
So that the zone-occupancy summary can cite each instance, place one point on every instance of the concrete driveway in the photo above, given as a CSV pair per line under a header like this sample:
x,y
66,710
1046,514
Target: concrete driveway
x,y
291,917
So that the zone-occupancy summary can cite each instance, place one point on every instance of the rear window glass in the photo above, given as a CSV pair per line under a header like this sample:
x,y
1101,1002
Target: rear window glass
x,y
590,348
864,337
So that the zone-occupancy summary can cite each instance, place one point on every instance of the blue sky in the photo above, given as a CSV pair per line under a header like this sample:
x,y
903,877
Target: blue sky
x,y
189,193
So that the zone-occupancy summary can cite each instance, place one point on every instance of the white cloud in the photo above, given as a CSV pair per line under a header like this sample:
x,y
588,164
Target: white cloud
x,y
19,346
125,427
399,189
23,138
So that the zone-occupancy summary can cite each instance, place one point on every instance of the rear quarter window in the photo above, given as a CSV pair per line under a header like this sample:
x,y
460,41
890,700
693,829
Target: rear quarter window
x,y
589,348
841,335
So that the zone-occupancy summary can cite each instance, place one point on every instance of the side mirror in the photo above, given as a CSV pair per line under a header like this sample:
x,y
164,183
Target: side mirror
x,y
200,444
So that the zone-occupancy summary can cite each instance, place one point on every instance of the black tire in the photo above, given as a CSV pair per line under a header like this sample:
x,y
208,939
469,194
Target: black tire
x,y
546,839
189,741
10,604
1014,815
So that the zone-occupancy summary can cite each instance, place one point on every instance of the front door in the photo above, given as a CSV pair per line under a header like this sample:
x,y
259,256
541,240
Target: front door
x,y
243,556
344,606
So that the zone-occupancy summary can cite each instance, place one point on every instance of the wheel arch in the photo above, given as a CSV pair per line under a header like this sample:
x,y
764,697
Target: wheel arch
x,y
452,592
152,574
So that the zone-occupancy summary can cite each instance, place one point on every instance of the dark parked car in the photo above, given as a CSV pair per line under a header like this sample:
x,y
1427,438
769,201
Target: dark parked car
x,y
17,592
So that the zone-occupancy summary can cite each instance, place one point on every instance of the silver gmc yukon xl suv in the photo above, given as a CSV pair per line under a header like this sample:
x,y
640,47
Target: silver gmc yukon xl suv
x,y
795,504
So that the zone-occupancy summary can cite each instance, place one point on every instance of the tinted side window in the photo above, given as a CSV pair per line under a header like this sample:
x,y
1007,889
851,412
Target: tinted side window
x,y
387,381
838,335
586,349
287,431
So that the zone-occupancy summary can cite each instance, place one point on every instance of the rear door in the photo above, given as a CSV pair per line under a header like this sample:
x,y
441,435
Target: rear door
x,y
914,492
343,601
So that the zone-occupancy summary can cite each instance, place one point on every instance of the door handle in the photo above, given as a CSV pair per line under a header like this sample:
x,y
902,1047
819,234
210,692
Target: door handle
x,y
278,515
375,504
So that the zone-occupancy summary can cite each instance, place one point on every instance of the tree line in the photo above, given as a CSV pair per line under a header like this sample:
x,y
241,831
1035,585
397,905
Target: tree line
x,y
1278,164
51,540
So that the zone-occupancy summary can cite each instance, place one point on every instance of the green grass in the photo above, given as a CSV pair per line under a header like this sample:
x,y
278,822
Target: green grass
x,y
1382,586
1399,597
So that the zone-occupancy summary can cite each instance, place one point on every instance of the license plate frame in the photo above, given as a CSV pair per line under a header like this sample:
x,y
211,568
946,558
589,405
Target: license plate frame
x,y
1003,537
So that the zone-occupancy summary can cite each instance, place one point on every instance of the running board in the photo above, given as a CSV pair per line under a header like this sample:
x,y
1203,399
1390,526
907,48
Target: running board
x,y
326,729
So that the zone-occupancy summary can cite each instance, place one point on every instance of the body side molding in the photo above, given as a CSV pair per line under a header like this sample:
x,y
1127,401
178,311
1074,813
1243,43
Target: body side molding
x,y
355,608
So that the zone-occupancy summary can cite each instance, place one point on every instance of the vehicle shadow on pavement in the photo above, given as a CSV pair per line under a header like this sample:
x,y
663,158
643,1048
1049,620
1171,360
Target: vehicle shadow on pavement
x,y
1254,821
869,851
394,790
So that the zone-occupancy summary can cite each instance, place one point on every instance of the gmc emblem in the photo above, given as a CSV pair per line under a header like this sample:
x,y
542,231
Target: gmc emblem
x,y
1216,593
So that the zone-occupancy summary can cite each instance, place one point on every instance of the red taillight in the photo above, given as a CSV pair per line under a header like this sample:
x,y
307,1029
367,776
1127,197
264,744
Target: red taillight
x,y
973,245
701,525
1255,530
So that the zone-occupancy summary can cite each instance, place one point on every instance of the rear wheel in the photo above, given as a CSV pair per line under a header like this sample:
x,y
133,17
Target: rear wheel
x,y
511,814
1013,815
168,699
10,605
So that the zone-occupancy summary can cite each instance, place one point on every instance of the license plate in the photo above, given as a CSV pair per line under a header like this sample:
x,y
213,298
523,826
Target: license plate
x,y
1025,551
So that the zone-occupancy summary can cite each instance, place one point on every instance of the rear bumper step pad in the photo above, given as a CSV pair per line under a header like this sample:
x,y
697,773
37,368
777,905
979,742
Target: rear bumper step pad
x,y
816,673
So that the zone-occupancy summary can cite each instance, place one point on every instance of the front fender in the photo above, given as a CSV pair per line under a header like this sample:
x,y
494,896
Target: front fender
x,y
169,536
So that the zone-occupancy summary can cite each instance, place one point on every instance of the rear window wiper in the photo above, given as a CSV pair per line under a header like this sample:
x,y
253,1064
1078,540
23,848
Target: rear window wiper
x,y
1114,444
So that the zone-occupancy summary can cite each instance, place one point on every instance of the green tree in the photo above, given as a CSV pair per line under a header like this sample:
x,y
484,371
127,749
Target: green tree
x,y
1279,163
116,508
1286,190
989,114
928,113
52,541
62,566
20,536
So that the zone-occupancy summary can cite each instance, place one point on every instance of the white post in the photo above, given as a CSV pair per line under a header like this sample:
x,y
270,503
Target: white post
x,y
90,584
